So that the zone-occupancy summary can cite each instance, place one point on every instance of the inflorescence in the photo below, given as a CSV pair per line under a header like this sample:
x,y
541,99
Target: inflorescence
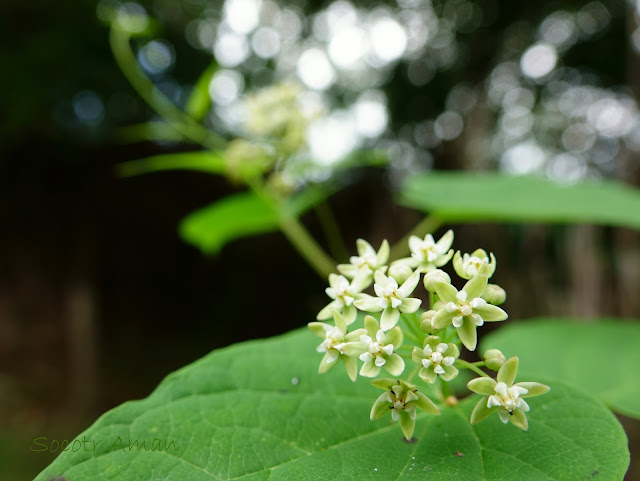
x,y
399,338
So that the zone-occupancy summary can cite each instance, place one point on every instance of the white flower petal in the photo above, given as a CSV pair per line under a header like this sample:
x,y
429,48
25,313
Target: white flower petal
x,y
388,349
442,347
366,357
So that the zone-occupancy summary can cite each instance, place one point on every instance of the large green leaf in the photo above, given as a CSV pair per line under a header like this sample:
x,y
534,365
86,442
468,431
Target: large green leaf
x,y
463,196
240,215
601,357
259,411
201,161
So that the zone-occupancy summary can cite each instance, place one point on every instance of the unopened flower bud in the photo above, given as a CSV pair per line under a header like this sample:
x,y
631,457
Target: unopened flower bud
x,y
438,305
494,359
436,275
451,401
494,294
426,319
400,271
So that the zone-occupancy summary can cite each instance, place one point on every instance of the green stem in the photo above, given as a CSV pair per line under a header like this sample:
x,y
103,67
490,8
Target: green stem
x,y
428,225
467,365
415,334
296,233
191,129
433,298
331,231
414,372
450,334
306,246
445,389
405,349
119,40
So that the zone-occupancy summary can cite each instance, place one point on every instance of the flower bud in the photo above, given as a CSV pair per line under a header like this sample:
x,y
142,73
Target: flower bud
x,y
400,272
436,275
494,294
494,359
425,321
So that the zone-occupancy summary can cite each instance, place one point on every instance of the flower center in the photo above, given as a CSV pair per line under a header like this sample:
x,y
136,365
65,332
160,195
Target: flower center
x,y
472,265
508,398
332,339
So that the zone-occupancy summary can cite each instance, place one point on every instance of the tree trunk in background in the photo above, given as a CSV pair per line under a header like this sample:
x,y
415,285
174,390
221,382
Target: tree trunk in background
x,y
80,321
627,242
585,270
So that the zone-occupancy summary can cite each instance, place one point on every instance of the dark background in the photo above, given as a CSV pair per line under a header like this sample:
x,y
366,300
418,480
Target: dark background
x,y
100,298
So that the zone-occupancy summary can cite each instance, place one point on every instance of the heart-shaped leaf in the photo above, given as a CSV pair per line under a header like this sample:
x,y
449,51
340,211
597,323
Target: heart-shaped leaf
x,y
241,215
600,357
463,196
259,411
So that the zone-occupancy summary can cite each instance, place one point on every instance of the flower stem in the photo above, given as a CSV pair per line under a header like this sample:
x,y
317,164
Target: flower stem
x,y
414,372
467,365
331,231
119,40
445,389
428,225
416,334
295,232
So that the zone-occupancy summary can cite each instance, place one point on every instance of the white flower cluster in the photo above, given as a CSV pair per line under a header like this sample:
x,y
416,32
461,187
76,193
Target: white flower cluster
x,y
430,340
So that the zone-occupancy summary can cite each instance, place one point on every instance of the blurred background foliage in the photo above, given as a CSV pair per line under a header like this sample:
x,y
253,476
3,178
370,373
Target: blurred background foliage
x,y
100,298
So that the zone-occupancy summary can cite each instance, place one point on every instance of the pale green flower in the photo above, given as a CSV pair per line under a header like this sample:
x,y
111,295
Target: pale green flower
x,y
466,310
436,359
505,397
334,337
367,261
376,349
344,294
402,399
275,113
468,266
391,299
427,254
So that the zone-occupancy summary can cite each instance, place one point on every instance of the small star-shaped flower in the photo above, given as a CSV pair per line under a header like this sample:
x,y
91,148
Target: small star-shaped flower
x,y
367,261
402,399
505,397
427,254
391,299
465,309
376,349
478,262
334,338
344,294
436,359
